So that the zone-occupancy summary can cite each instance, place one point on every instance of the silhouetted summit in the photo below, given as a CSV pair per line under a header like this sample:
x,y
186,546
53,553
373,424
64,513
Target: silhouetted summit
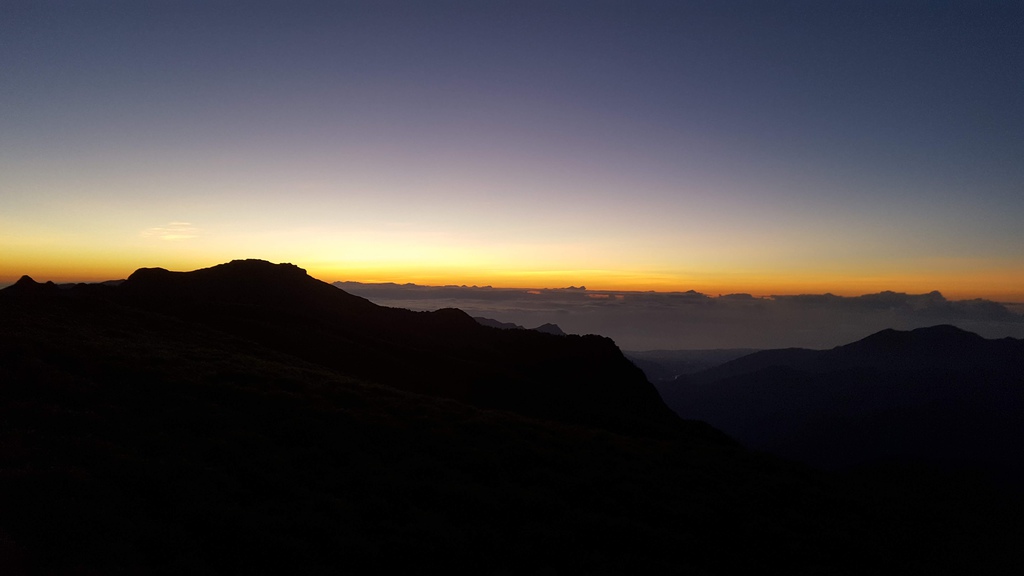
x,y
549,328
26,287
26,283
241,282
581,379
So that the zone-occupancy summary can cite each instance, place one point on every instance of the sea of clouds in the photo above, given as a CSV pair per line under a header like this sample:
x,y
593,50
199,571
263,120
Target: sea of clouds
x,y
691,320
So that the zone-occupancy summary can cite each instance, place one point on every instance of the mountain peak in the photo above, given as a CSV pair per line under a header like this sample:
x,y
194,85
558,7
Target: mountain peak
x,y
550,328
257,265
239,269
942,330
241,282
941,347
26,285
148,273
892,340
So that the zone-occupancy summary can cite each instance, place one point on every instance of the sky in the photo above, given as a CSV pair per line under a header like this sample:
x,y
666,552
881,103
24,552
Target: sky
x,y
780,147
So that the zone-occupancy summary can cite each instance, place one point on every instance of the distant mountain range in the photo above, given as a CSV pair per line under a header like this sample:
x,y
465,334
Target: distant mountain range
x,y
249,418
939,396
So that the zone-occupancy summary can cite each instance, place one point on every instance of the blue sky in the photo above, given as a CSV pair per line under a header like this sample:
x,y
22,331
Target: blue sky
x,y
722,146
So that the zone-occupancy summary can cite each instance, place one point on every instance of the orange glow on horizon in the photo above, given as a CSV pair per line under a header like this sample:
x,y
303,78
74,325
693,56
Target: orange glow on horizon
x,y
993,284
997,285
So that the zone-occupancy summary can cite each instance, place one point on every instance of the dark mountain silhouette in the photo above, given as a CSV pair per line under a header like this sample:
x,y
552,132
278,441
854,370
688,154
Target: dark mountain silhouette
x,y
940,347
498,324
547,328
939,396
662,366
579,379
243,419
26,287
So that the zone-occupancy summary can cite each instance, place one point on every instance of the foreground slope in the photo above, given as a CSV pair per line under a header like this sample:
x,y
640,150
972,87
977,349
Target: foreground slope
x,y
171,431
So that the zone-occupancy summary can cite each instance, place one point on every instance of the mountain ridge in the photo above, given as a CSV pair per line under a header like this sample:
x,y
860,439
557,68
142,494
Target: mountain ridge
x,y
930,348
582,379
938,395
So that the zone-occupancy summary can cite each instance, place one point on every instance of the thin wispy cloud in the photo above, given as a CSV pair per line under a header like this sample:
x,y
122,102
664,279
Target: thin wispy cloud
x,y
172,232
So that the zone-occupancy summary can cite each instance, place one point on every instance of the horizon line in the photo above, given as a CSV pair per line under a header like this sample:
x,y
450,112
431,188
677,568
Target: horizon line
x,y
582,288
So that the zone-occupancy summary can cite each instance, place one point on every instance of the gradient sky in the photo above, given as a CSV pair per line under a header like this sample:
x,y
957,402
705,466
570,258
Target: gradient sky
x,y
763,147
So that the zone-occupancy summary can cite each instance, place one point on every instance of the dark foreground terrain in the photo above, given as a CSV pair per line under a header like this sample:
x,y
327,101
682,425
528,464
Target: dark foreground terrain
x,y
250,419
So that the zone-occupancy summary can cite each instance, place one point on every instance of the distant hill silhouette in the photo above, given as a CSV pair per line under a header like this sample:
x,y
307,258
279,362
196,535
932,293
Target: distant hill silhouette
x,y
26,287
547,328
666,365
938,395
941,347
249,418
498,324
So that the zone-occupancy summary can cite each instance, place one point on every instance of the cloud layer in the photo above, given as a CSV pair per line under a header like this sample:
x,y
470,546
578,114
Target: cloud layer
x,y
172,232
692,320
